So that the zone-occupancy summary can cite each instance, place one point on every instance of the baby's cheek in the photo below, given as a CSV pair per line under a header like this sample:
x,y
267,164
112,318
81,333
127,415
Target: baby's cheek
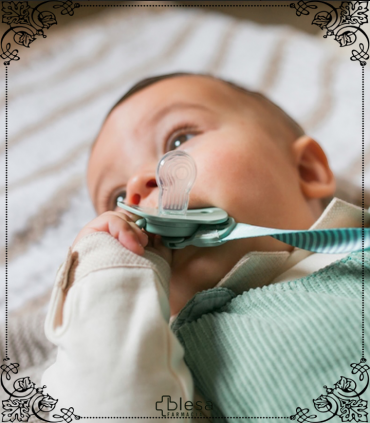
x,y
227,187
235,175
250,194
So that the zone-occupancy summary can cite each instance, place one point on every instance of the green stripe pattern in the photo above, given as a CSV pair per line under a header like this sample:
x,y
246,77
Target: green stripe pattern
x,y
330,241
269,350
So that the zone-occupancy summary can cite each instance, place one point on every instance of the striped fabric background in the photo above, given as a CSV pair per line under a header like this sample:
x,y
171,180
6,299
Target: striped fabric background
x,y
61,89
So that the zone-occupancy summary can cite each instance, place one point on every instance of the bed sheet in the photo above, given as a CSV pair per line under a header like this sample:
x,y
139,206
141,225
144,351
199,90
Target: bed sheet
x,y
63,86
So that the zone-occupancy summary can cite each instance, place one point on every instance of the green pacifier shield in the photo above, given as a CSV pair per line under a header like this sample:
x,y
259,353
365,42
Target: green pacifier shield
x,y
175,225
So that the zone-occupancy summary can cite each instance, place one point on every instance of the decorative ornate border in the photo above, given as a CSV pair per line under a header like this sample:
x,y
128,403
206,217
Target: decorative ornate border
x,y
26,400
342,22
343,400
28,22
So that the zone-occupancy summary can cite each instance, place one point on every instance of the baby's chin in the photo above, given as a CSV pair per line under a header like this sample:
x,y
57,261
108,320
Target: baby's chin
x,y
196,269
183,255
204,266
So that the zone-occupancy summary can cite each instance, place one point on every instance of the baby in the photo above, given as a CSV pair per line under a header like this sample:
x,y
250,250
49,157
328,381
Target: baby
x,y
245,339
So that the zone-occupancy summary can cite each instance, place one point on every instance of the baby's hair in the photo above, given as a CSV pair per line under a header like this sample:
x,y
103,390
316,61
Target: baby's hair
x,y
292,124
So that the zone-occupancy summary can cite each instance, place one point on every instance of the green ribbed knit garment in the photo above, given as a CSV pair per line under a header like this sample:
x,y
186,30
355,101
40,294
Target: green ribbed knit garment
x,y
272,349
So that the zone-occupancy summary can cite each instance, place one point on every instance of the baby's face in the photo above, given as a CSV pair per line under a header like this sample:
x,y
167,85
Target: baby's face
x,y
244,162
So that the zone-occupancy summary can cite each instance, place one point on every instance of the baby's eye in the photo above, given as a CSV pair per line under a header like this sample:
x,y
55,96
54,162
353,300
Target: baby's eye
x,y
178,140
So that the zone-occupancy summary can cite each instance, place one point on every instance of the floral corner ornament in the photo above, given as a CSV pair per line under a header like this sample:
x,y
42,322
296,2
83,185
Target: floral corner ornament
x,y
342,22
26,23
343,400
25,400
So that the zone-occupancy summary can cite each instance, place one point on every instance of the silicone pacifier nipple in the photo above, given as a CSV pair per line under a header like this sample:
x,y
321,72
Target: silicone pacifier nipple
x,y
176,173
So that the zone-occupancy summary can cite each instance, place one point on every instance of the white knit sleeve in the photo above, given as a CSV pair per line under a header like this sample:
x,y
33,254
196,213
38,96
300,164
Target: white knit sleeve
x,y
116,353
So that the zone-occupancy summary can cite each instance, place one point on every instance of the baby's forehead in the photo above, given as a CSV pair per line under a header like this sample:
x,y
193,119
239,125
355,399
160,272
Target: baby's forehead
x,y
195,89
170,94
200,91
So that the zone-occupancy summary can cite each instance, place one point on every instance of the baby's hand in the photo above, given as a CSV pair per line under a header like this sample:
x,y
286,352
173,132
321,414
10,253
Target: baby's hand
x,y
122,226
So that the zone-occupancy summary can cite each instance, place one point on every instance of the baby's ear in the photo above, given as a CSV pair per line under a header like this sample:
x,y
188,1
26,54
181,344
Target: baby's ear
x,y
316,178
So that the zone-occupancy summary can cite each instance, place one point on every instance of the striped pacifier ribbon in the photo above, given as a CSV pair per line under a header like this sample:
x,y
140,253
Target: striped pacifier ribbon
x,y
331,241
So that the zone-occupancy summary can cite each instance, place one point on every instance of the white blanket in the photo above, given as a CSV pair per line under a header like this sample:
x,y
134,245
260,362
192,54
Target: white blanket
x,y
63,86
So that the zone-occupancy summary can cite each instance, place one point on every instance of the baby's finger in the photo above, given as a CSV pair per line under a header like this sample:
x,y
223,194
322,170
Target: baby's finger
x,y
131,217
123,231
143,238
130,241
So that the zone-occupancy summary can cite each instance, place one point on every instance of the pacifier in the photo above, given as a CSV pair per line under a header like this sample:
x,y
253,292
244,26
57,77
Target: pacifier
x,y
176,173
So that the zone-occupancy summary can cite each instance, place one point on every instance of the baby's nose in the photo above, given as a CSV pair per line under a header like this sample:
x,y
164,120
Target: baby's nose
x,y
139,187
